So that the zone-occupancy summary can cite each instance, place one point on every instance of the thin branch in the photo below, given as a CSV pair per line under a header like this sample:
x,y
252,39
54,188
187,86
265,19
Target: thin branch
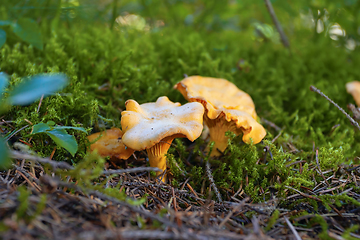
x,y
296,234
256,225
131,170
153,234
53,164
158,234
8,138
314,89
283,37
64,165
271,124
354,110
41,99
211,179
304,194
235,209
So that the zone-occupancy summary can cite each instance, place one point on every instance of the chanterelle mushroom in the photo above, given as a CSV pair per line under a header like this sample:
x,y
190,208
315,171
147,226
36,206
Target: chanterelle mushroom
x,y
153,126
110,144
226,108
354,89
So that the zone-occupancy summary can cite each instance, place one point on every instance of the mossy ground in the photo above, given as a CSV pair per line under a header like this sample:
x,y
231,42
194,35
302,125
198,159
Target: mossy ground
x,y
106,67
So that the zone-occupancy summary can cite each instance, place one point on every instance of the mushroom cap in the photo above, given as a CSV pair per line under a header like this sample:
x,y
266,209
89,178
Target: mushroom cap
x,y
354,89
216,94
110,144
222,98
147,124
250,128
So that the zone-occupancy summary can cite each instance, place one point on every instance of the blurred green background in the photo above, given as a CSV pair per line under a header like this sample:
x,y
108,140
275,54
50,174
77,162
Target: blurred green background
x,y
338,20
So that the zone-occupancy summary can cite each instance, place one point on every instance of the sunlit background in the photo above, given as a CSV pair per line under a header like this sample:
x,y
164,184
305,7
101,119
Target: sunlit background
x,y
335,20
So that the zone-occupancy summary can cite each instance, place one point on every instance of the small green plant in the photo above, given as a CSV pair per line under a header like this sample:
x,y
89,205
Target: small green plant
x,y
25,93
59,135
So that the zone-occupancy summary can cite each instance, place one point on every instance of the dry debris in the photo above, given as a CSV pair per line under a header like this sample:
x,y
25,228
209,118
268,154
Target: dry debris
x,y
73,212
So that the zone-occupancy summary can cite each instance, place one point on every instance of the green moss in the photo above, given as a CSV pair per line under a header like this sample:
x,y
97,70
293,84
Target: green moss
x,y
347,232
176,166
197,175
274,216
338,200
87,171
21,211
324,226
330,158
176,156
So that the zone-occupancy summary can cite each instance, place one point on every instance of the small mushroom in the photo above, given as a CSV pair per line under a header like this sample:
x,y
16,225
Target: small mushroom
x,y
227,108
153,126
110,144
354,89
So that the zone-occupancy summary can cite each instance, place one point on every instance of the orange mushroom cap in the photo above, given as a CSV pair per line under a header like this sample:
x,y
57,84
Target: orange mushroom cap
x,y
110,144
216,94
147,124
354,89
226,108
244,122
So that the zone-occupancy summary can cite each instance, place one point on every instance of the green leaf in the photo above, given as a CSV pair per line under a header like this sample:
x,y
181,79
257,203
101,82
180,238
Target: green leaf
x,y
50,123
2,37
5,23
4,78
63,139
40,128
67,127
43,127
4,155
59,135
38,85
28,30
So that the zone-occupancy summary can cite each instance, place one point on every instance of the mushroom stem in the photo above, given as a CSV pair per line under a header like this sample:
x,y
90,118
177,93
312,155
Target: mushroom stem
x,y
218,147
157,156
217,129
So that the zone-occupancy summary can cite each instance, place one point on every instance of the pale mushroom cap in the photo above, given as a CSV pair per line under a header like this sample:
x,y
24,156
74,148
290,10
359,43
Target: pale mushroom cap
x,y
354,89
147,124
109,143
216,95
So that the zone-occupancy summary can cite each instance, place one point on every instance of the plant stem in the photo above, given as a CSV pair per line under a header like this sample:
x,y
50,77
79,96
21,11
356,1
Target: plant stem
x,y
283,37
114,13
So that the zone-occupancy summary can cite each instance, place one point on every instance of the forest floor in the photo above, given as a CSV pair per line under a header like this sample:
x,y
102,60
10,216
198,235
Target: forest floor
x,y
36,204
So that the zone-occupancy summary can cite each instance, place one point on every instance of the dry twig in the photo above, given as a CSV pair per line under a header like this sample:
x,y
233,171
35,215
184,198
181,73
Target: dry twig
x,y
314,89
212,182
296,234
53,164
278,26
131,170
